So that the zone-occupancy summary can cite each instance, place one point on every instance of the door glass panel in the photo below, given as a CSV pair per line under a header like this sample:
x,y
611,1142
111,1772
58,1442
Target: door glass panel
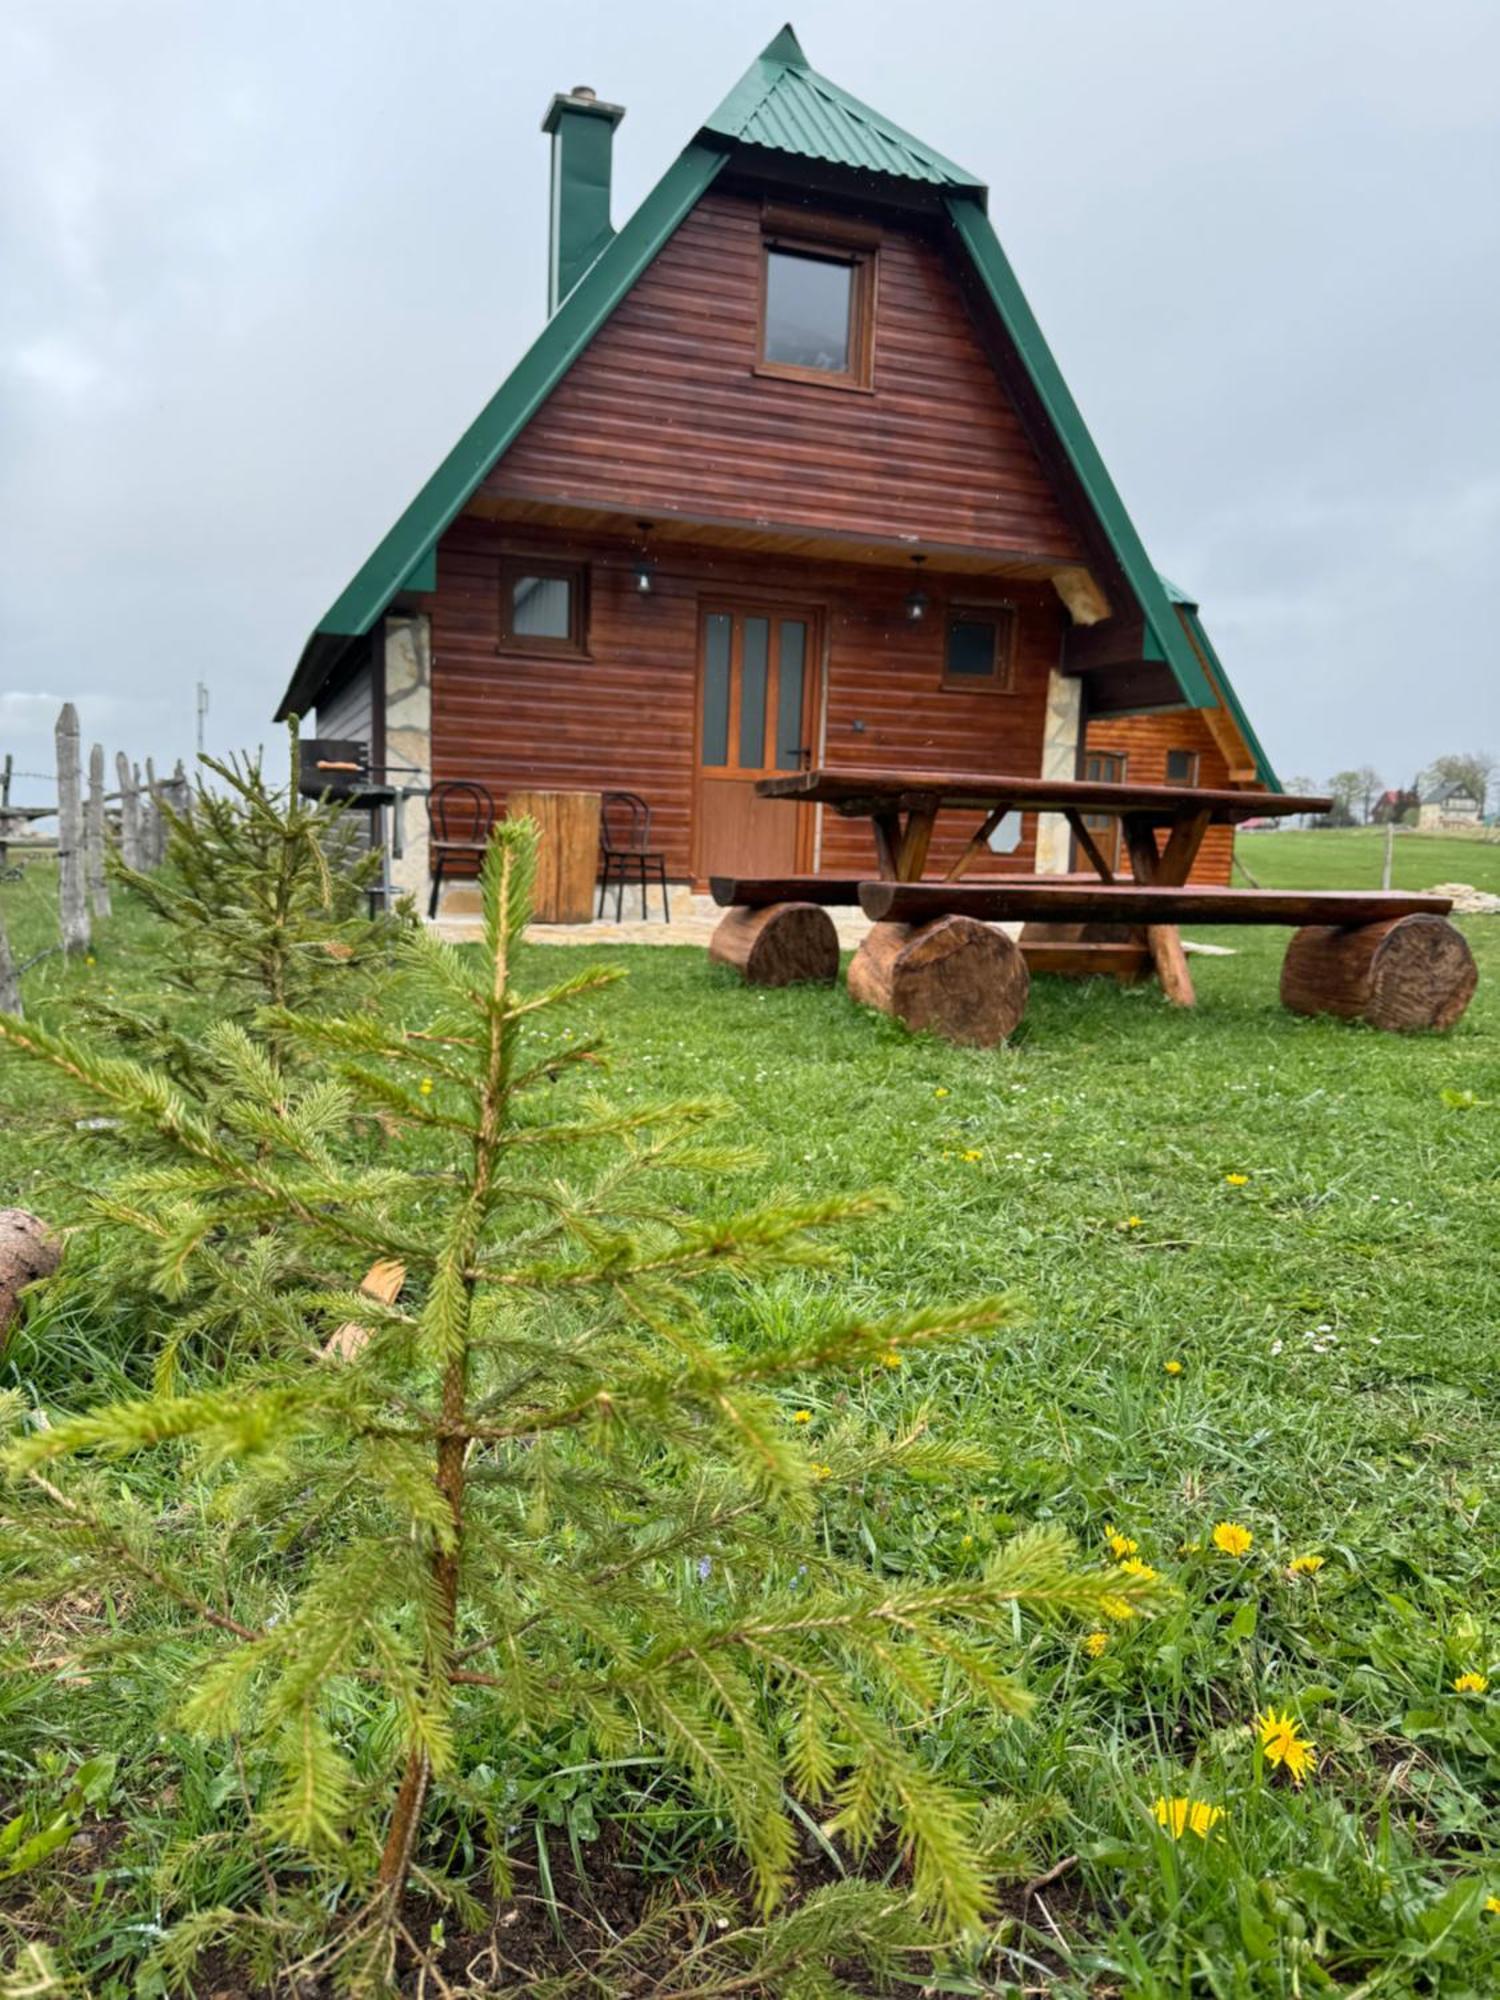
x,y
789,694
716,634
754,654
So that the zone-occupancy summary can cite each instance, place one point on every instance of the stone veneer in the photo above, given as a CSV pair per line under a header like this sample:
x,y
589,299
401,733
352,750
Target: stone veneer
x,y
1054,841
408,741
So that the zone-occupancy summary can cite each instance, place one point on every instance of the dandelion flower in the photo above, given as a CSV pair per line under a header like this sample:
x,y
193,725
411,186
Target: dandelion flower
x,y
1095,1643
1132,1222
1492,1904
1471,1683
941,1091
1181,1816
1118,1608
1120,1545
822,1472
1283,1745
890,1359
967,1542
1304,1565
425,1086
1133,1566
972,1154
1172,1367
802,1416
1231,1539
1238,1180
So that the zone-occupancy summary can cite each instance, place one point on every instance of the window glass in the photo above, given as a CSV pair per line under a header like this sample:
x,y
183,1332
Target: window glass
x,y
789,694
716,637
1182,767
807,310
541,607
971,648
757,651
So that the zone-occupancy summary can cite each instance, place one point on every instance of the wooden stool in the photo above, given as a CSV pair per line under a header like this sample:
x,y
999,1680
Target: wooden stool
x,y
1411,972
782,944
956,978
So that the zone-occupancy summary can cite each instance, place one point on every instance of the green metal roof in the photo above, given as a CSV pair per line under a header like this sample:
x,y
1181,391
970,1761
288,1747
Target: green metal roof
x,y
782,104
779,103
1263,767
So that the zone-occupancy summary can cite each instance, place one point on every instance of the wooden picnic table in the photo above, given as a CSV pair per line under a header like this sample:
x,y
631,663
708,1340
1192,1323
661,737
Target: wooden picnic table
x,y
903,808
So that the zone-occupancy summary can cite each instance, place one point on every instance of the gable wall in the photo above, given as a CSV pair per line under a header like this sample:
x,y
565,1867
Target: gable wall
x,y
624,717
664,414
1143,741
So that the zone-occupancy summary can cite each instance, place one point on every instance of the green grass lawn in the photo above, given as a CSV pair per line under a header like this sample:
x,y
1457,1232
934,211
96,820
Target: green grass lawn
x,y
1254,1259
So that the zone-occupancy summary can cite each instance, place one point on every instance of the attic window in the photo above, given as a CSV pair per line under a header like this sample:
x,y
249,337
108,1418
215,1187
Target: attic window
x,y
817,308
979,647
1182,767
543,606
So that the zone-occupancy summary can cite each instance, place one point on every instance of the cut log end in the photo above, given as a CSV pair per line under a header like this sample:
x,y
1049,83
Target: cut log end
x,y
785,944
28,1250
1410,973
956,978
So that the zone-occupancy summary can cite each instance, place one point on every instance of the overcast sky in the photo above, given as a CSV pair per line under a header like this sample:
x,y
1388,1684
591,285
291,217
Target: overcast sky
x,y
263,260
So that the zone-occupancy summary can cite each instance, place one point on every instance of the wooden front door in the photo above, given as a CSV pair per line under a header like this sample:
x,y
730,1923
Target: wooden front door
x,y
1104,767
757,714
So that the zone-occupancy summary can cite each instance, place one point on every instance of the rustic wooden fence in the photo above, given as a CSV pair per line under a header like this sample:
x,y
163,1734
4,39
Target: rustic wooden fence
x,y
85,830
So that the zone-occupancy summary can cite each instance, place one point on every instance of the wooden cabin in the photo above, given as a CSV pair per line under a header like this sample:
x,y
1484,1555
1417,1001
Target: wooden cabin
x,y
788,477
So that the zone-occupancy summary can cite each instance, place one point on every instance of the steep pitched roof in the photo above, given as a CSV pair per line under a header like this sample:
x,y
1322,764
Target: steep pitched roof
x,y
780,103
1186,607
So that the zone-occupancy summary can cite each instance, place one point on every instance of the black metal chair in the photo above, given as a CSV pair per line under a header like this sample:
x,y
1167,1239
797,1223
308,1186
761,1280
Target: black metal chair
x,y
460,816
625,850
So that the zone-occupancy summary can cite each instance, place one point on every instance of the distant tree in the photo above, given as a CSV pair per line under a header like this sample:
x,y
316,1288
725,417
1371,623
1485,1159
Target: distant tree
x,y
1303,786
1395,805
1472,769
1346,789
1371,785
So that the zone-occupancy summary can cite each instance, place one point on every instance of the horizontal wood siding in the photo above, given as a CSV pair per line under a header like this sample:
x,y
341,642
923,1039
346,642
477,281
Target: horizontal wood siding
x,y
1143,741
349,711
623,717
664,414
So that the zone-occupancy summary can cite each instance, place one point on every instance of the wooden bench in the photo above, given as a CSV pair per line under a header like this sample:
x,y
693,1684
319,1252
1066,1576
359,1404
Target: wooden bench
x,y
1379,956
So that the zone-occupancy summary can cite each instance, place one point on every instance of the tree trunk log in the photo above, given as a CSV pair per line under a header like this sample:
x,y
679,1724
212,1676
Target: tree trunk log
x,y
1412,972
28,1251
957,978
73,909
784,944
98,878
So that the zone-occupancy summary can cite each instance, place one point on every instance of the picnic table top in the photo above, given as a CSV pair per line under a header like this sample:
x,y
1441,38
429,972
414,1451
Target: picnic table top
x,y
854,790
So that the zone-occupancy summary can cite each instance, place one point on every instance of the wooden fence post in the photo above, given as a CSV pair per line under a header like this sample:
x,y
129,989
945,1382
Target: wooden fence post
x,y
94,828
73,906
10,984
157,842
130,814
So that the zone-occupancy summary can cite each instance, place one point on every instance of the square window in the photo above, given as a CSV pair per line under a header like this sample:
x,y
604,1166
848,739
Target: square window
x,y
978,644
1182,767
542,606
817,302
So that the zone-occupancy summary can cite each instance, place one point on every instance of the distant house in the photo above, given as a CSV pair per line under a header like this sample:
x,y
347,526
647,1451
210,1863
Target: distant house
x,y
1450,803
1213,745
789,477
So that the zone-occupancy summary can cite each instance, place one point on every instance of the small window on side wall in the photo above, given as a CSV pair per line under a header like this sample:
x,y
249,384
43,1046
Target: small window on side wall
x,y
979,645
1182,767
818,307
543,606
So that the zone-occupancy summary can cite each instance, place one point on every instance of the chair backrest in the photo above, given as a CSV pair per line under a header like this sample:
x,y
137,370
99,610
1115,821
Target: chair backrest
x,y
458,809
624,823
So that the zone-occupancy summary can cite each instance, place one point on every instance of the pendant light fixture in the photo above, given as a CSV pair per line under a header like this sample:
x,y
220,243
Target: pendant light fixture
x,y
643,582
917,599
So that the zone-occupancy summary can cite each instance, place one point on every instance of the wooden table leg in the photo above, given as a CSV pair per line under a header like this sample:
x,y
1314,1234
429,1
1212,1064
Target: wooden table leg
x,y
911,857
887,830
1167,868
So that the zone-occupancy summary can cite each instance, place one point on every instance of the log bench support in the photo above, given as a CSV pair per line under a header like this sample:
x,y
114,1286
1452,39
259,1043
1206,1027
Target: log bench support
x,y
778,944
956,978
1408,973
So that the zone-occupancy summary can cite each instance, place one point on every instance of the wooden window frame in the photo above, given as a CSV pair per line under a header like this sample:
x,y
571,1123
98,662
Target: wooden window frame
x,y
1195,765
833,240
576,575
1006,618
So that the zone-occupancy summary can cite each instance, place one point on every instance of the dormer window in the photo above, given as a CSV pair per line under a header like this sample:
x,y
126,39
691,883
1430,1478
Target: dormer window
x,y
817,303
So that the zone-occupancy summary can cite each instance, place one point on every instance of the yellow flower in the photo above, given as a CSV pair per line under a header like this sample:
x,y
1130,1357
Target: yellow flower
x,y
1120,1545
1133,1566
1304,1565
1095,1643
1238,1180
425,1086
890,1359
1117,1608
802,1416
1132,1222
1284,1746
1231,1539
1492,1904
89,959
1172,1367
1190,1548
941,1091
973,1154
822,1472
1181,1816
1471,1683
967,1542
